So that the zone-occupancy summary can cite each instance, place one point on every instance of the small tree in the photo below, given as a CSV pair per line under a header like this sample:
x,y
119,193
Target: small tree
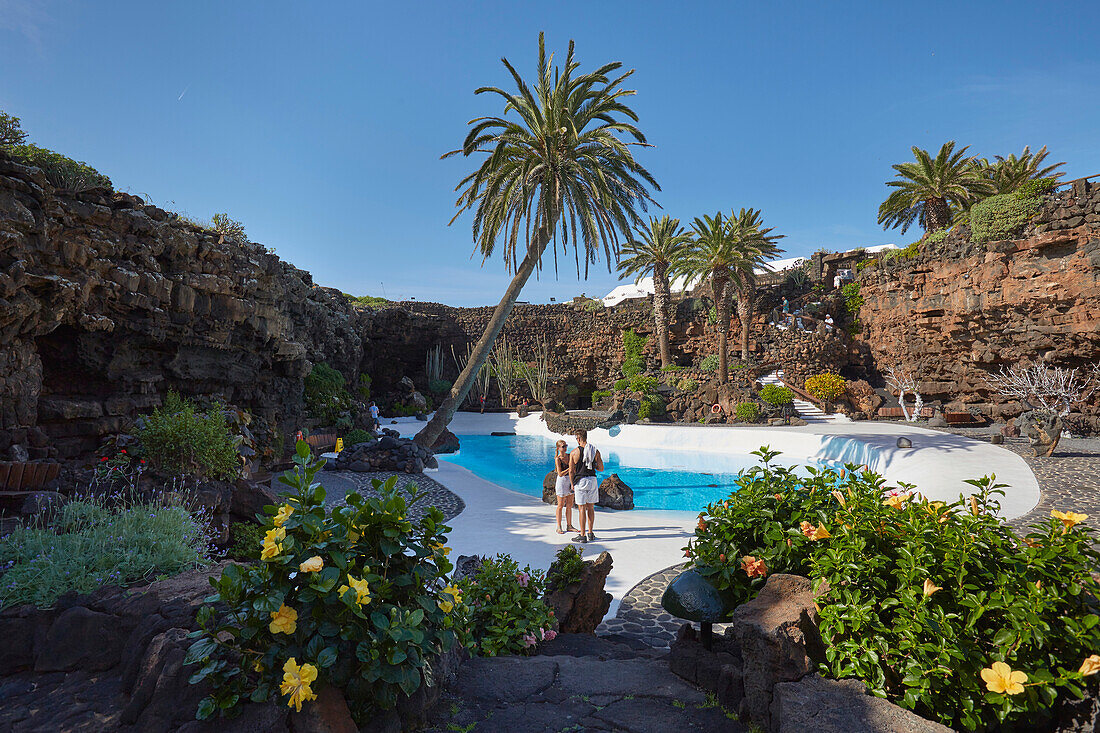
x,y
903,383
537,373
1049,388
11,132
230,228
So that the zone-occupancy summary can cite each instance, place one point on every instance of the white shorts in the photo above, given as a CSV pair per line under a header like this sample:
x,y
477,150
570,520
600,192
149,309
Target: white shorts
x,y
562,487
587,490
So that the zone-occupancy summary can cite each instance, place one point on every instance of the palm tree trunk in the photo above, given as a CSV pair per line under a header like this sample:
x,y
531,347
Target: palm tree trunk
x,y
744,312
720,289
443,414
938,213
660,310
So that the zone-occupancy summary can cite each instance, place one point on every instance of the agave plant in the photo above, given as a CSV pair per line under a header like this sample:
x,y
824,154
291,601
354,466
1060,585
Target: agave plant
x,y
929,189
561,151
656,249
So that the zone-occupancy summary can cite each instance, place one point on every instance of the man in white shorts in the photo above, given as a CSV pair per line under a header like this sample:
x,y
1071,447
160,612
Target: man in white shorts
x,y
584,461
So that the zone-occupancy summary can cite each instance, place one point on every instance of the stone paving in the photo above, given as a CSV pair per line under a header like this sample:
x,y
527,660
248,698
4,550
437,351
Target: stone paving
x,y
577,684
1068,481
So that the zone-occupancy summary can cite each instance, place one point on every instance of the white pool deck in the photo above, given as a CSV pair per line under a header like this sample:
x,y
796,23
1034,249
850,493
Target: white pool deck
x,y
643,542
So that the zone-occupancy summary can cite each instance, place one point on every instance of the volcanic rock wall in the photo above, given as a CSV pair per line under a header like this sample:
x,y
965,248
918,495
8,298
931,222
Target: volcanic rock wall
x,y
106,302
955,315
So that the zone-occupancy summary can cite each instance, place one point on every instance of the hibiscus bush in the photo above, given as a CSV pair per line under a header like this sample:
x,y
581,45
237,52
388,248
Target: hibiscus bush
x,y
354,596
507,613
941,608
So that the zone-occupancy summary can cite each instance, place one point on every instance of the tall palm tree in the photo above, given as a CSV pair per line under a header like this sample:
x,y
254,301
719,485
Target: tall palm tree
x,y
1007,174
754,245
564,153
727,251
656,249
928,189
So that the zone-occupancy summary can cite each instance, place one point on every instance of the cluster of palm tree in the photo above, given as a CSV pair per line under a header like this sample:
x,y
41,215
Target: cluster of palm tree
x,y
725,250
936,191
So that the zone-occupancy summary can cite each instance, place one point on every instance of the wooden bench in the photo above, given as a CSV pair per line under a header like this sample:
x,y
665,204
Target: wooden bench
x,y
27,476
896,412
959,418
322,442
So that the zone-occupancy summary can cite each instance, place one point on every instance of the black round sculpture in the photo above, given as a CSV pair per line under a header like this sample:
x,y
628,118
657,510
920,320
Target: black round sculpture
x,y
691,597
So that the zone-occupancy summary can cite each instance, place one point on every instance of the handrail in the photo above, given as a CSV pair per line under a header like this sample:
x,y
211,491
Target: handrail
x,y
820,403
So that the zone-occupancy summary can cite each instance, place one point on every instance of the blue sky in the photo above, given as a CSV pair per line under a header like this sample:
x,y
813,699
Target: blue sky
x,y
320,125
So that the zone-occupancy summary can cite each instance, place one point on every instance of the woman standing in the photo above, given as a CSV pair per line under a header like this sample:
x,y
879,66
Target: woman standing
x,y
563,488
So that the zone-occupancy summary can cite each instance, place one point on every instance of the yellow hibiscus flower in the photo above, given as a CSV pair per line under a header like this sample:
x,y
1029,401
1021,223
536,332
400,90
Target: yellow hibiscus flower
x,y
1068,519
1091,665
440,547
270,549
897,501
312,565
999,677
456,596
361,588
283,621
296,683
284,514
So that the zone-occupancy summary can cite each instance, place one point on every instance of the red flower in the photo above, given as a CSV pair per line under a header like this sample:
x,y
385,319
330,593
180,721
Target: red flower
x,y
753,567
142,460
103,459
122,451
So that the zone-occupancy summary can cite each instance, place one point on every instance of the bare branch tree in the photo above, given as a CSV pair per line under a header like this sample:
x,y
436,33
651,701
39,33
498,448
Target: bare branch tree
x,y
1050,388
903,383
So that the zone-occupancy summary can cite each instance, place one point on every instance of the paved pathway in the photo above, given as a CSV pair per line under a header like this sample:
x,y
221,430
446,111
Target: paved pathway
x,y
338,483
577,684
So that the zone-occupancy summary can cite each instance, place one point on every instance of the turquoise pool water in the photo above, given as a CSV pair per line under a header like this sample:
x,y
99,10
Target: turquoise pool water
x,y
661,479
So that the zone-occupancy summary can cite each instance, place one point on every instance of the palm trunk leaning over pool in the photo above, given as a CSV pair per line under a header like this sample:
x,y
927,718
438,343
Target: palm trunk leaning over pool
x,y
559,157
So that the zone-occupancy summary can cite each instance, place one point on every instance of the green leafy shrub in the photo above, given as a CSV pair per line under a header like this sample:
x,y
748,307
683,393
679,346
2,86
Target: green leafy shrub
x,y
600,396
932,238
712,315
567,568
229,228
369,301
633,367
672,368
356,597
621,384
92,545
747,412
572,390
777,395
864,264
357,436
853,300
592,305
325,395
1005,215
179,439
687,384
826,386
709,363
244,538
507,613
633,344
918,598
61,171
643,383
364,387
651,406
439,387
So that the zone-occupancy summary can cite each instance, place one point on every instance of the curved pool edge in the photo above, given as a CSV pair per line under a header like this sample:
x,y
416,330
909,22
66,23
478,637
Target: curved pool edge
x,y
645,541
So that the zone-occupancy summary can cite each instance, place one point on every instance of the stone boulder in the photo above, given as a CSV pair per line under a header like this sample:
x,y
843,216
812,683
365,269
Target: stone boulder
x,y
549,490
840,706
1043,429
615,494
580,607
447,442
717,669
779,641
386,454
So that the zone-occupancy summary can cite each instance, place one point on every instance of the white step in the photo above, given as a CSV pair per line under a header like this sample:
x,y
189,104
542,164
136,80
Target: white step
x,y
808,411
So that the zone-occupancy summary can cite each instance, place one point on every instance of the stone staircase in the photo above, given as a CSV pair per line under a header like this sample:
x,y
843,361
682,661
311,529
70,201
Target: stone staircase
x,y
806,410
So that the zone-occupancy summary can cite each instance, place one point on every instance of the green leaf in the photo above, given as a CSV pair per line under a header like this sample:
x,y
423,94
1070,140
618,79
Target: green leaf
x,y
326,657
